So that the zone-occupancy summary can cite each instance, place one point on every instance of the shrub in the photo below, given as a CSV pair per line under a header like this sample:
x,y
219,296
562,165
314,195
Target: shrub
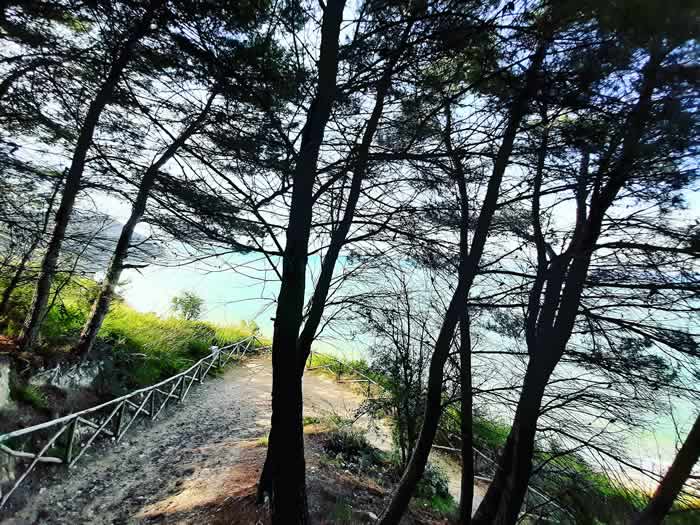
x,y
434,483
352,446
348,442
489,433
311,420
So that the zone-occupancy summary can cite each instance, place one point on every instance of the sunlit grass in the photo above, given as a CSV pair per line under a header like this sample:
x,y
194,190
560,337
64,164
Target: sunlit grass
x,y
138,348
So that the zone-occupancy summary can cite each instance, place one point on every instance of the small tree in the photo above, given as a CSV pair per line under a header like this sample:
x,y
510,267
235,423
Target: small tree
x,y
398,320
187,305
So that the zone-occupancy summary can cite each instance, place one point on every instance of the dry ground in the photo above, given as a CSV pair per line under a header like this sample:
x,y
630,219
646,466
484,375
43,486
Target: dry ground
x,y
200,464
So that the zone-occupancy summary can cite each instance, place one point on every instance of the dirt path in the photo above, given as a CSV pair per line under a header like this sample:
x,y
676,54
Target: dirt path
x,y
174,470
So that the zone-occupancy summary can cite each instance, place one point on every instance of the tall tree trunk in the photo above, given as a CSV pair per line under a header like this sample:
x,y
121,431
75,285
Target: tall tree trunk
x,y
286,463
359,169
465,384
505,495
318,299
673,481
554,320
37,310
402,495
116,265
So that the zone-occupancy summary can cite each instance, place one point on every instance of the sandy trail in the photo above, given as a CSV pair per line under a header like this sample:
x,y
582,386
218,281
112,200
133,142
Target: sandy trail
x,y
191,458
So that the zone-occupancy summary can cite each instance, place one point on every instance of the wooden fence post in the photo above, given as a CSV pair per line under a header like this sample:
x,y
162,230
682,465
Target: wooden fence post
x,y
152,408
71,439
119,422
181,393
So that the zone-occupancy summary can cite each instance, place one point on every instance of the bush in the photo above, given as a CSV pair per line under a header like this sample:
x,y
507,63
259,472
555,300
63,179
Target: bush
x,y
434,483
348,442
489,434
352,446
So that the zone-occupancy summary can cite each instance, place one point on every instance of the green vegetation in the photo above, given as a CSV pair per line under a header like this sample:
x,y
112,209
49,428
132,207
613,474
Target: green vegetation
x,y
594,497
136,348
311,420
342,512
150,348
433,491
350,448
30,395
69,306
489,433
352,445
187,305
339,365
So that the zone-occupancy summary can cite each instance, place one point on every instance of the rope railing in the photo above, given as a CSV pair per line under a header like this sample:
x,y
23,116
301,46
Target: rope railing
x,y
114,418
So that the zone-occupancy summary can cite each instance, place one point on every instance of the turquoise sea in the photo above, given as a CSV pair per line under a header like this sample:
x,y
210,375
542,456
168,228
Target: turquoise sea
x,y
249,294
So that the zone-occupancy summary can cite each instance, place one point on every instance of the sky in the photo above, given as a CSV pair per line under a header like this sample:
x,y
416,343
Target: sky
x,y
233,296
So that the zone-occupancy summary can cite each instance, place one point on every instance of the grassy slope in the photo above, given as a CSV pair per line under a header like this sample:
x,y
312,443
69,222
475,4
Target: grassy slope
x,y
139,348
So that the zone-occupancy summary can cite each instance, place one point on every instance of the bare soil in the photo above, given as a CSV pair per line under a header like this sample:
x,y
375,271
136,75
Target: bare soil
x,y
200,464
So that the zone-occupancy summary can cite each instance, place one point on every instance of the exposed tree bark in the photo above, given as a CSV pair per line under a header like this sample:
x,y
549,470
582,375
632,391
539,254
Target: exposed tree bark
x,y
401,497
549,325
37,310
466,494
104,297
286,464
672,483
465,370
338,238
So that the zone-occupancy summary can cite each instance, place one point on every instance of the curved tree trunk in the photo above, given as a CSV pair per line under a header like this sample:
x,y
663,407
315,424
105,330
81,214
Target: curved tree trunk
x,y
399,502
552,322
16,277
37,310
104,297
676,476
502,503
22,266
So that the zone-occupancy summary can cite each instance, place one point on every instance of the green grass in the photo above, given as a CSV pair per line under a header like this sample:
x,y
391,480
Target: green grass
x,y
488,434
444,505
29,394
311,420
139,348
152,348
338,365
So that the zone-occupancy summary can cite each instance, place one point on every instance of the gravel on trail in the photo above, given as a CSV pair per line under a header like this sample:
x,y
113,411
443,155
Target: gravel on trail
x,y
176,469
182,461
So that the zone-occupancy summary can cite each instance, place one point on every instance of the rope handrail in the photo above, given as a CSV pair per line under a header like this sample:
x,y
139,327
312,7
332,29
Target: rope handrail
x,y
119,418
